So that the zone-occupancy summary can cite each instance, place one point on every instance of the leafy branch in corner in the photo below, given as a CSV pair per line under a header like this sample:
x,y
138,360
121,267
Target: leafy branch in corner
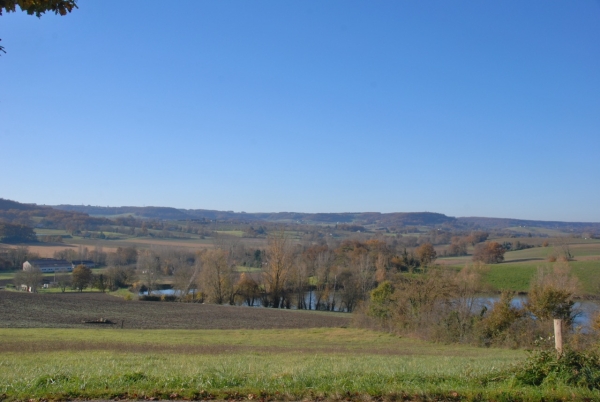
x,y
37,8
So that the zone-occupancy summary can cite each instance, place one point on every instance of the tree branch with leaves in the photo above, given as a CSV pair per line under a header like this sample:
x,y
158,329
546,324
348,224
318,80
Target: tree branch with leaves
x,y
37,8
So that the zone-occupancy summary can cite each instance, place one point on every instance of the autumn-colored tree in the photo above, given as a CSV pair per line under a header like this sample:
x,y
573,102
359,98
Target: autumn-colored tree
x,y
477,237
426,254
38,7
81,277
248,289
489,253
457,247
381,265
123,256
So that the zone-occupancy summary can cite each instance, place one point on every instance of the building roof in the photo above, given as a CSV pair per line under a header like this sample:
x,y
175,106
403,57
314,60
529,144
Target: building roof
x,y
49,263
84,262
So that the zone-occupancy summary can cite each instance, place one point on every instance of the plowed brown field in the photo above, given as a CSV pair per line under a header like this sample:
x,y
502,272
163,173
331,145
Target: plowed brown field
x,y
70,310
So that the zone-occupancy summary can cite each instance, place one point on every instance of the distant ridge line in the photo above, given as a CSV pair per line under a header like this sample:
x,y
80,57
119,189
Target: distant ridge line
x,y
391,218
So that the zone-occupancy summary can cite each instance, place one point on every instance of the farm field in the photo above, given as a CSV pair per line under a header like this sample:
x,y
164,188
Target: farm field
x,y
239,364
517,276
520,266
264,364
69,310
47,250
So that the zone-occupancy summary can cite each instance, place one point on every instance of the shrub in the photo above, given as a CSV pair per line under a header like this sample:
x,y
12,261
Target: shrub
x,y
495,326
574,368
551,293
382,303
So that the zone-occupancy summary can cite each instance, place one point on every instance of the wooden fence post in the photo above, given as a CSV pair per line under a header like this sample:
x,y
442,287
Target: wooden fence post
x,y
558,339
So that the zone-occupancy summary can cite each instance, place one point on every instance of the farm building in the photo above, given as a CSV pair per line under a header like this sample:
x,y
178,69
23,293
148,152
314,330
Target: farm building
x,y
87,263
48,265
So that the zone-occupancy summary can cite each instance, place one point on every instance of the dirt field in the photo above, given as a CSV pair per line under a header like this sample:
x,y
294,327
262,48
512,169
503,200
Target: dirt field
x,y
69,310
47,250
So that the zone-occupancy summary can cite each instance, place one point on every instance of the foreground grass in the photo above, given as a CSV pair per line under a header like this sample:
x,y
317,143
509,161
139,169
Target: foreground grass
x,y
272,364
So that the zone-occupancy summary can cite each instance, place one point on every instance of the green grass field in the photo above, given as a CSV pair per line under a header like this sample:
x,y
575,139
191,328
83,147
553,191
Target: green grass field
x,y
536,231
51,232
235,233
520,266
333,363
241,268
516,276
7,275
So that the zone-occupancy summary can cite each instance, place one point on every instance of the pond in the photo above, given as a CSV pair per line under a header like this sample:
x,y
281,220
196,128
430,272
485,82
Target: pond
x,y
585,309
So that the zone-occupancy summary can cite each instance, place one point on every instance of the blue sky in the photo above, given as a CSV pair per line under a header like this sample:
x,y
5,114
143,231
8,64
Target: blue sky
x,y
465,108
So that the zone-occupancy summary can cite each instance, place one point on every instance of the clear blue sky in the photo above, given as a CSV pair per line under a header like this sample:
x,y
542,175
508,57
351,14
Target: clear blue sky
x,y
468,108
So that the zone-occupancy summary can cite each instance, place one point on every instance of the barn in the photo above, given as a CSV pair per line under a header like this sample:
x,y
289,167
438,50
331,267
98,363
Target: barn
x,y
48,265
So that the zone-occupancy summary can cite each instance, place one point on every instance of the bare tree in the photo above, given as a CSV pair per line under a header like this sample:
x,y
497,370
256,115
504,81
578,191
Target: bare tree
x,y
63,281
564,250
186,277
365,274
31,278
148,266
216,277
19,255
118,276
279,262
68,254
324,278
299,281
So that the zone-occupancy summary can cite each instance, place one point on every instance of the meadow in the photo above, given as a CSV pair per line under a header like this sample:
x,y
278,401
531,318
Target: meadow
x,y
520,266
284,364
207,352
